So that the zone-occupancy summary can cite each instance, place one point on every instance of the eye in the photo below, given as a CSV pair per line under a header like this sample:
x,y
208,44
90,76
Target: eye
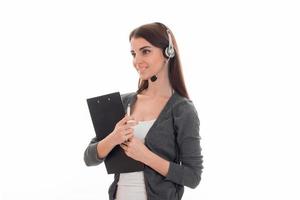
x,y
146,51
133,54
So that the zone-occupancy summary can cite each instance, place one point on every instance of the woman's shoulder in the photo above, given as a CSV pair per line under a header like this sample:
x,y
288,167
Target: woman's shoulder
x,y
185,115
126,97
127,94
183,106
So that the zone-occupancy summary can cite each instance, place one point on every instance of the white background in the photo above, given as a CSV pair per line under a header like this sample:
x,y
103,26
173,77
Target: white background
x,y
240,61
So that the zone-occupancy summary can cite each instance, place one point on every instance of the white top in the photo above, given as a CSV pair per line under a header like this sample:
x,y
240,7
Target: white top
x,y
131,185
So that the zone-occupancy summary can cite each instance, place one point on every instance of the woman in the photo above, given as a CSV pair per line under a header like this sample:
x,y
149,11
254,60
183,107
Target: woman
x,y
163,127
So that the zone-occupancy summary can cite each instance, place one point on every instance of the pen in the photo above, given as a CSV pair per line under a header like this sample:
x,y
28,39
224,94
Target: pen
x,y
128,110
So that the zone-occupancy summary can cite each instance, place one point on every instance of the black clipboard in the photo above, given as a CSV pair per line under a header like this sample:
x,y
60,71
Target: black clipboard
x,y
106,111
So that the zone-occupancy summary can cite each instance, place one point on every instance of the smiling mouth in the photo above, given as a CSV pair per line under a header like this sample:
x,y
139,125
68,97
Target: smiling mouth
x,y
141,70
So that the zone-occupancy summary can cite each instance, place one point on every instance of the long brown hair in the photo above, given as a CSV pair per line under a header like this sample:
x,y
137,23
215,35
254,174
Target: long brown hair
x,y
156,34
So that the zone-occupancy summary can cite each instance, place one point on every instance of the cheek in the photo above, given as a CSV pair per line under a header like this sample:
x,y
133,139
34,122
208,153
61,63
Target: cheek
x,y
134,66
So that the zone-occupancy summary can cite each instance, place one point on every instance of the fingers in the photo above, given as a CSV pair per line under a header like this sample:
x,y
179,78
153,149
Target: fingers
x,y
127,131
131,122
123,146
127,138
127,126
123,130
124,120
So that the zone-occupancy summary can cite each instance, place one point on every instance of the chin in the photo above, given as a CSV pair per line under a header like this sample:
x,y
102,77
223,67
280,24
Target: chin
x,y
144,78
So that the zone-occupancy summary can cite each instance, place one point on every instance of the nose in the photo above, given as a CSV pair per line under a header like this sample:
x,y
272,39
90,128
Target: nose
x,y
137,59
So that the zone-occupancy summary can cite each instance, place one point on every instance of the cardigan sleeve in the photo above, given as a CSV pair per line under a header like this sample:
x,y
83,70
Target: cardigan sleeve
x,y
186,123
91,157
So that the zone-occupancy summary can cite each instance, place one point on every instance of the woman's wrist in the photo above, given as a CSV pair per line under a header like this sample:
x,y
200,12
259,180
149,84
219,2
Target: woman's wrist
x,y
105,146
156,162
148,157
111,140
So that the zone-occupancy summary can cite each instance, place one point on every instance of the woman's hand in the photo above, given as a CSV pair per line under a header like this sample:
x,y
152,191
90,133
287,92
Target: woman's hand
x,y
135,149
123,130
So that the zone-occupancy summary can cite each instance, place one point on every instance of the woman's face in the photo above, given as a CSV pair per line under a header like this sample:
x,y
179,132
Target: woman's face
x,y
148,60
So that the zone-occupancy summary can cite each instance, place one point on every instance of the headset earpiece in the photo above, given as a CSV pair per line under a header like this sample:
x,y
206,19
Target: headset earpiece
x,y
170,51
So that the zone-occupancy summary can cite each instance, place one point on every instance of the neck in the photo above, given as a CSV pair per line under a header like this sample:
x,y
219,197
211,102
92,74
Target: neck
x,y
161,87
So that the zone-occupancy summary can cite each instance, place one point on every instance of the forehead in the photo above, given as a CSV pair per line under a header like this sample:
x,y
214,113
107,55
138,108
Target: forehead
x,y
137,43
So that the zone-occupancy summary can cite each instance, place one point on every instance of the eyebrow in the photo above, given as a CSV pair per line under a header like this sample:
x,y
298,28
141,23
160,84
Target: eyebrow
x,y
141,48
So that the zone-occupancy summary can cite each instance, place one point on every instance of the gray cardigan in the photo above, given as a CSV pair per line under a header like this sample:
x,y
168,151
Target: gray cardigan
x,y
175,137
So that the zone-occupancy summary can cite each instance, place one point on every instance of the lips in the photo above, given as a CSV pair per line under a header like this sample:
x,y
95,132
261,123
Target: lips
x,y
141,70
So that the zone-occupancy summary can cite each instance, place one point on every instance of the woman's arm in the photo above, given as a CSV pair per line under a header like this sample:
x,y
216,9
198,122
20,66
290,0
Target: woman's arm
x,y
156,162
97,151
137,150
91,157
187,123
105,146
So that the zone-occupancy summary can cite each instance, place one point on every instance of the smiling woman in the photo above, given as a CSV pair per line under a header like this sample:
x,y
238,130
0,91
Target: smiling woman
x,y
166,139
147,59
